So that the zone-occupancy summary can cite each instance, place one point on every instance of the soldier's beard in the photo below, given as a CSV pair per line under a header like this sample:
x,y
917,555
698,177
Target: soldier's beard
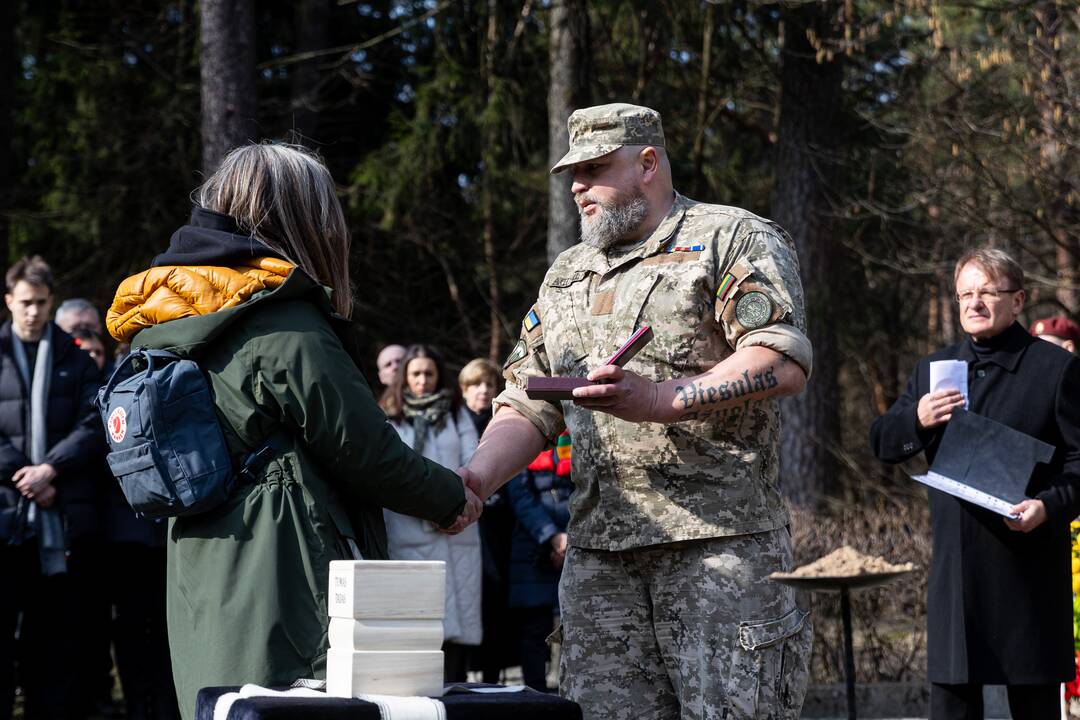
x,y
613,221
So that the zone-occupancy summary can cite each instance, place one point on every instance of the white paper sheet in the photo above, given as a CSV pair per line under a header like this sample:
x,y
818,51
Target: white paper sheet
x,y
966,492
949,375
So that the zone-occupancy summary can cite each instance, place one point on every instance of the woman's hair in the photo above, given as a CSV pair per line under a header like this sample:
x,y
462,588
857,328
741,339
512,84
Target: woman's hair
x,y
284,196
995,263
478,370
393,400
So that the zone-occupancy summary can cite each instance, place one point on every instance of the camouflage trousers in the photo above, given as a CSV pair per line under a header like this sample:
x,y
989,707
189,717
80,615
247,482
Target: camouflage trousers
x,y
685,631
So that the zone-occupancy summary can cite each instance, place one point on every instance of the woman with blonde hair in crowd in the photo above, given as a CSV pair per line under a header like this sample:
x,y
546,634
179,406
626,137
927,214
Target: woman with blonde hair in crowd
x,y
256,288
426,411
479,384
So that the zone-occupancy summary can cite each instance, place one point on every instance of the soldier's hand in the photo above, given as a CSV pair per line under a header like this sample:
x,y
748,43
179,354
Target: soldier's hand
x,y
474,506
618,392
473,481
936,408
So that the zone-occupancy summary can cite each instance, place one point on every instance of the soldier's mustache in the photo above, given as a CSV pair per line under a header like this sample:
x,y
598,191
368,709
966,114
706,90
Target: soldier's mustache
x,y
583,200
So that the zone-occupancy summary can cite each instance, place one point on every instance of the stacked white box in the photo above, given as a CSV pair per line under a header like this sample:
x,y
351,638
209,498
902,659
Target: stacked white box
x,y
386,628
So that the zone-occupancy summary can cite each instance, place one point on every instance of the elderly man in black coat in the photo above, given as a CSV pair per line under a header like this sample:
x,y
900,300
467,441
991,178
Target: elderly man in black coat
x,y
1000,603
50,436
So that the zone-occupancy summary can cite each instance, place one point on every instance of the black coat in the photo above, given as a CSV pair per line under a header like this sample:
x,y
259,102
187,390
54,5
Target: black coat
x,y
1000,602
76,438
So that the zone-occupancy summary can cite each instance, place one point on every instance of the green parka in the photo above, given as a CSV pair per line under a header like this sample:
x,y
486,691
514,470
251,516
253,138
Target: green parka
x,y
247,582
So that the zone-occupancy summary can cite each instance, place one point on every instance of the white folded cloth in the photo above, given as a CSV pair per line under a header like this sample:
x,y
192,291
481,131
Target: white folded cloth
x,y
391,707
225,702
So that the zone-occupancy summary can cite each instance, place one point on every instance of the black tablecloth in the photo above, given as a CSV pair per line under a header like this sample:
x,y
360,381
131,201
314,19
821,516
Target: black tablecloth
x,y
524,705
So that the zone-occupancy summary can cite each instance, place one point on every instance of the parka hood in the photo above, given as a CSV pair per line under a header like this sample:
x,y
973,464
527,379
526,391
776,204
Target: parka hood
x,y
209,267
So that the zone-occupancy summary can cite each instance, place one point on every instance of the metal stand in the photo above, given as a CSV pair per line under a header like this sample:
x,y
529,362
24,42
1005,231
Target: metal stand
x,y
844,585
849,651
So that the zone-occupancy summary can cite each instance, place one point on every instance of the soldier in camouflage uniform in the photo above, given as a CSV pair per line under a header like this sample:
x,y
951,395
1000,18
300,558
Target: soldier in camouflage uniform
x,y
676,518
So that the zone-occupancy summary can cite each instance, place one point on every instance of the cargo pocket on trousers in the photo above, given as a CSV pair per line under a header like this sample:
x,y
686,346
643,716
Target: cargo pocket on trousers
x,y
768,668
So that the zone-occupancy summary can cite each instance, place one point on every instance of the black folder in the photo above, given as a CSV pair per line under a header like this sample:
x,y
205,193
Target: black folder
x,y
985,462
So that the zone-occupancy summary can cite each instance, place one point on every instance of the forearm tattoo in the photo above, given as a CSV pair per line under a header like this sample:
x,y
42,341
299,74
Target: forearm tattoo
x,y
698,399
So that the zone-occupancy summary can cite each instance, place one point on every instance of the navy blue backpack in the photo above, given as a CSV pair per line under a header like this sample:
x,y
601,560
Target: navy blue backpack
x,y
166,446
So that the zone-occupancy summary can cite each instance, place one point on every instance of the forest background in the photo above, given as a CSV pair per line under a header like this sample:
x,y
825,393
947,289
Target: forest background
x,y
887,136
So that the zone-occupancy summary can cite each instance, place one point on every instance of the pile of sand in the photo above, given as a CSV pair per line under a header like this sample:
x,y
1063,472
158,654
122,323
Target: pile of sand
x,y
846,562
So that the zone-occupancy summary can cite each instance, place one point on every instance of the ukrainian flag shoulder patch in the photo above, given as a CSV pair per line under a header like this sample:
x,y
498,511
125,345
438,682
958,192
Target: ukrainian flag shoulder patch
x,y
531,321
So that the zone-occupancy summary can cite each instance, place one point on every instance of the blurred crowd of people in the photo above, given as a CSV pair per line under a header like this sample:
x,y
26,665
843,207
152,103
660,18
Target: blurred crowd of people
x,y
502,574
84,576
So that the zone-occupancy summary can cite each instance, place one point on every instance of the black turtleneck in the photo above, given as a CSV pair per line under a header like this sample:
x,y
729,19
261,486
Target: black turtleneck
x,y
1003,349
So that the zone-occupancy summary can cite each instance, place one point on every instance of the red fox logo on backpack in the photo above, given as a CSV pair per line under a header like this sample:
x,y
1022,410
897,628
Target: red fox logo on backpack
x,y
118,425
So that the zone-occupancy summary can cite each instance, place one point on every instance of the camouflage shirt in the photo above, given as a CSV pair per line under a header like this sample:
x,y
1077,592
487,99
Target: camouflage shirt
x,y
640,484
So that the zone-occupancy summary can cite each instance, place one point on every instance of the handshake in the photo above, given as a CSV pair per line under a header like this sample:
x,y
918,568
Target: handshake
x,y
474,501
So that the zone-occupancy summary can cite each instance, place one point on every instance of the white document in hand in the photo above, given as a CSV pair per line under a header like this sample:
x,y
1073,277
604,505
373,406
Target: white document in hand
x,y
949,375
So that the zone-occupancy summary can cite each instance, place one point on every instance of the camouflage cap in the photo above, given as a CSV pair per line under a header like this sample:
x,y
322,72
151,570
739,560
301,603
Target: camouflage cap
x,y
598,130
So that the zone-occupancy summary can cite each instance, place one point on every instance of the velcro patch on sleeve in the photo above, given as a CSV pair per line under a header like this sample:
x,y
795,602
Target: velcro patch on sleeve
x,y
729,283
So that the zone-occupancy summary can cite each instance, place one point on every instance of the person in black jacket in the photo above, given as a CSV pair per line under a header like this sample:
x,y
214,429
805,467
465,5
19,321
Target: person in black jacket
x,y
49,434
1000,603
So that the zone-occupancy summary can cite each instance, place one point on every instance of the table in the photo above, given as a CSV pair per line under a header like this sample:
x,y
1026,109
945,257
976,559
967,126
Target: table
x,y
524,705
844,584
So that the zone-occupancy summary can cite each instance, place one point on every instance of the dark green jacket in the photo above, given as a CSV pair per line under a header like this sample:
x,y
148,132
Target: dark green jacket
x,y
247,581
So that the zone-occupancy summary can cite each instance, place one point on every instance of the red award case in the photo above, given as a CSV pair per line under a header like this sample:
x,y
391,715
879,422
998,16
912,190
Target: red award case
x,y
539,387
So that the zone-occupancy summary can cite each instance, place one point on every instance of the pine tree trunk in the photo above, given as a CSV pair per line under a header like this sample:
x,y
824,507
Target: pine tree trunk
x,y
1057,155
810,87
703,98
312,18
227,69
567,91
488,203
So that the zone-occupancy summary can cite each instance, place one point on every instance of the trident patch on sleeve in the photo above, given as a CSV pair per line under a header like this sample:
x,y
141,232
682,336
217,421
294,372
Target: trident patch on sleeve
x,y
517,354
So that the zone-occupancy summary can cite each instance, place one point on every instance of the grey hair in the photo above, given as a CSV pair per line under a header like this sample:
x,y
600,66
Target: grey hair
x,y
996,263
284,196
76,306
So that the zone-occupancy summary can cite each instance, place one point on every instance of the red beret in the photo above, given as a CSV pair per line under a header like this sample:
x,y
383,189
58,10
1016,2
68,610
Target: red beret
x,y
1057,326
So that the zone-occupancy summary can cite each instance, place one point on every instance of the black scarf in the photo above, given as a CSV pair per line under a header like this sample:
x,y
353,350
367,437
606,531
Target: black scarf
x,y
427,411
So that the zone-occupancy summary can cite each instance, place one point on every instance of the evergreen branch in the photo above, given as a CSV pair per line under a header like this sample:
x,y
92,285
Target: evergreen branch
x,y
350,49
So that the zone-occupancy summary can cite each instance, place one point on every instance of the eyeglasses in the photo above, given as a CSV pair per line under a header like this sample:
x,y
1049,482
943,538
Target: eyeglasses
x,y
985,295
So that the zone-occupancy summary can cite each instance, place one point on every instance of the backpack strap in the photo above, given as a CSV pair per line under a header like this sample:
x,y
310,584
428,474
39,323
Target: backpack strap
x,y
119,372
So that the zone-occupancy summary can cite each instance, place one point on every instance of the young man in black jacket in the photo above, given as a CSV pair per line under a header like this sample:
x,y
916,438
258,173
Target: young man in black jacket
x,y
1000,600
49,436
